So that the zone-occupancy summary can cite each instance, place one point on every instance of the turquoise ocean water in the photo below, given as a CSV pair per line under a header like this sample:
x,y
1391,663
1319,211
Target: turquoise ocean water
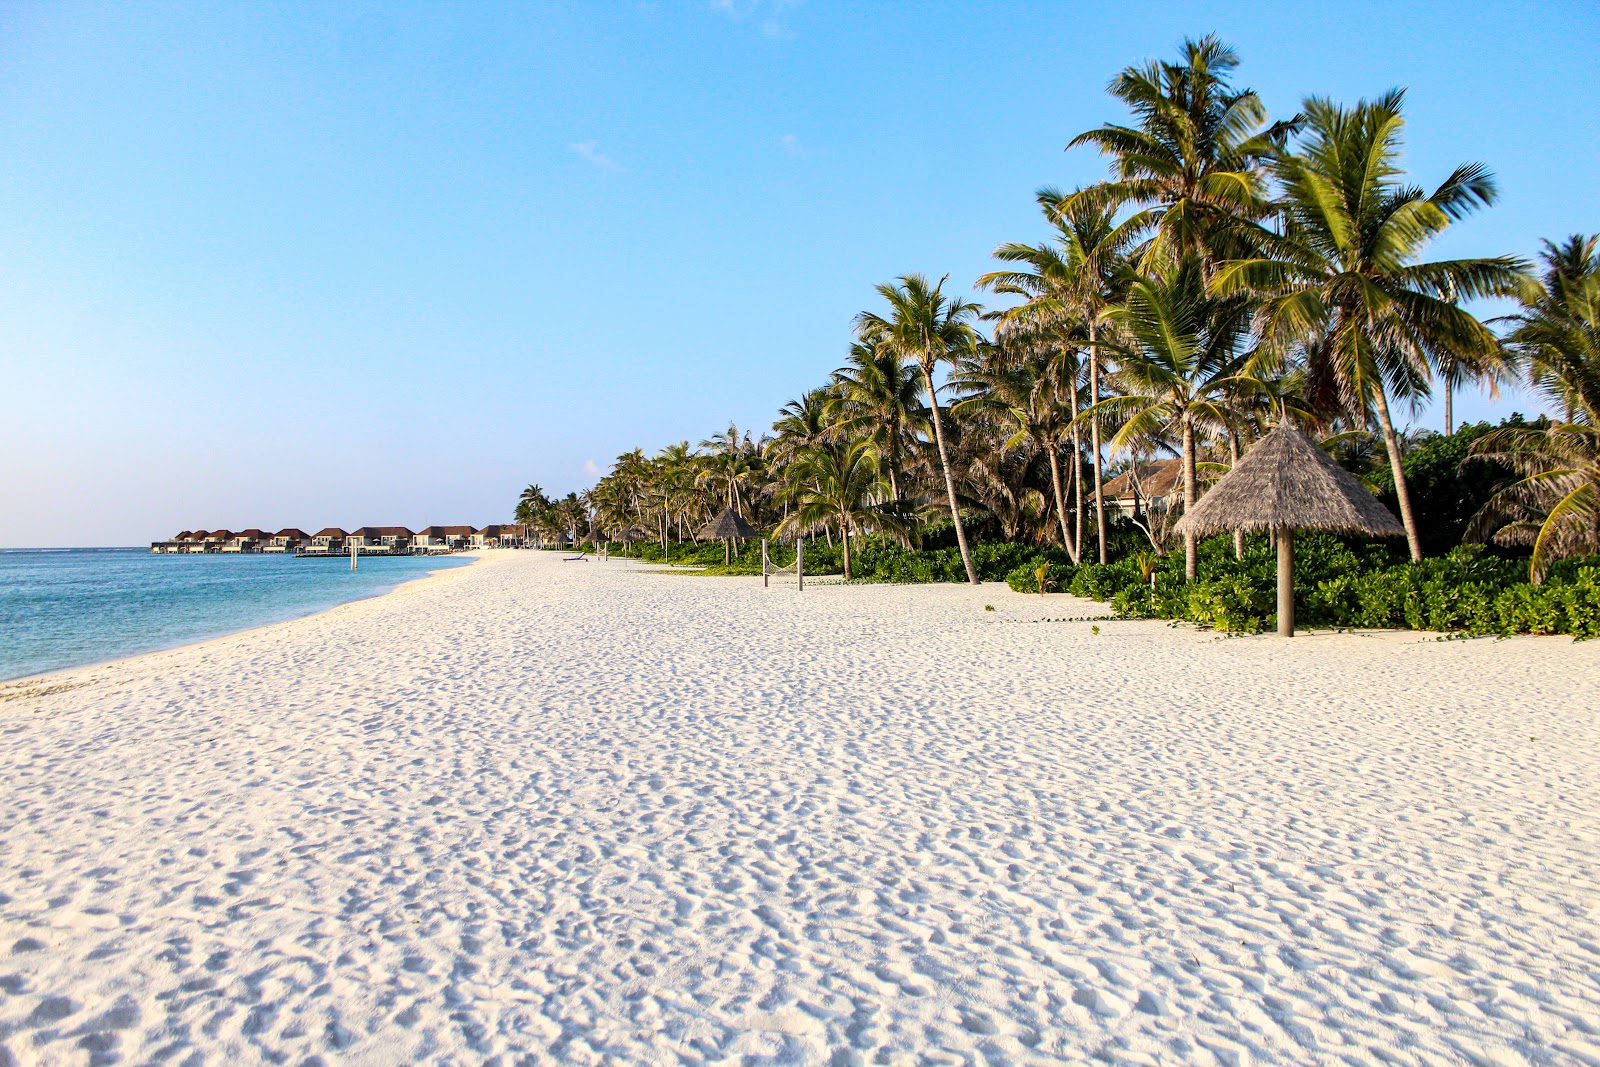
x,y
63,608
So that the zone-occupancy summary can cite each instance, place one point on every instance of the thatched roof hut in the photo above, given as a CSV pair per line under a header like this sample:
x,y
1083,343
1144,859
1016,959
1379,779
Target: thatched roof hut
x,y
1283,484
631,535
727,526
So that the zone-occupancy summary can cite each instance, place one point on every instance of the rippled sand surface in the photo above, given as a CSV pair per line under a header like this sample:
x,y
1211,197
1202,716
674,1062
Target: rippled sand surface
x,y
535,811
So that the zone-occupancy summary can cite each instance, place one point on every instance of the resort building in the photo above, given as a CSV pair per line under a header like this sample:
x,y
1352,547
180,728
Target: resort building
x,y
334,541
390,540
329,541
245,541
442,539
497,537
290,540
1147,487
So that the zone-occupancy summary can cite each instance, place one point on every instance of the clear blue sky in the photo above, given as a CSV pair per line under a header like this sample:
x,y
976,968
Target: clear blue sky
x,y
308,264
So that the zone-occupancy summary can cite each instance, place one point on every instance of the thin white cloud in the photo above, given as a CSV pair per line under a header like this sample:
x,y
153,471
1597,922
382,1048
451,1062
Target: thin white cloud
x,y
590,150
591,468
791,145
763,14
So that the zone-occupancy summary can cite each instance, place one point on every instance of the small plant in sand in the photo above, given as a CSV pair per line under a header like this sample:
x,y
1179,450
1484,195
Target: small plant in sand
x,y
1042,573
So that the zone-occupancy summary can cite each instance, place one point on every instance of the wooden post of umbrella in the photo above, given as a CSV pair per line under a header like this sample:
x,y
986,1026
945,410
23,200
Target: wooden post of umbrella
x,y
764,583
800,561
1285,582
1286,482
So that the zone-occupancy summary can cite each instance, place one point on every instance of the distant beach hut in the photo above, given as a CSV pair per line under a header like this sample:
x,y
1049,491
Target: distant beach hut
x,y
1288,483
630,536
727,527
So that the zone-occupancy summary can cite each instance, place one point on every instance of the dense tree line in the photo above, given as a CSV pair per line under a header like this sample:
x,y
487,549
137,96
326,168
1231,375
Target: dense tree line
x,y
1230,272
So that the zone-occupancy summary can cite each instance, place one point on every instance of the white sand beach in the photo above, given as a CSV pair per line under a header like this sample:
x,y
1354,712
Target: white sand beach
x,y
535,811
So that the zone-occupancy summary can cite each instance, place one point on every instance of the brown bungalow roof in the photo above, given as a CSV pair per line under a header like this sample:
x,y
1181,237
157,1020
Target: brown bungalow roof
x,y
219,535
331,531
1156,480
184,536
291,532
248,535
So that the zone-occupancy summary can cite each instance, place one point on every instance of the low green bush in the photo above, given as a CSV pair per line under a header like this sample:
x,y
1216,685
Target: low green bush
x,y
1339,582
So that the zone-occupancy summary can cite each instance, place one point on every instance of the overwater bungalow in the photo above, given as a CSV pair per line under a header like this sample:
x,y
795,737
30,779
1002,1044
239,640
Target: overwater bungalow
x,y
497,536
245,541
325,542
441,539
288,540
381,540
213,541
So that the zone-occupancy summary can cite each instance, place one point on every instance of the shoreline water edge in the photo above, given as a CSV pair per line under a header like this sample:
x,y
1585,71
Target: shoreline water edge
x,y
54,634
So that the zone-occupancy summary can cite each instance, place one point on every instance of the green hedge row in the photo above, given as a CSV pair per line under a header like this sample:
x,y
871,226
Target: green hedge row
x,y
1339,584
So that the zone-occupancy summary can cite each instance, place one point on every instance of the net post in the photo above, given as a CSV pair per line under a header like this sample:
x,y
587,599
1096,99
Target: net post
x,y
764,563
800,562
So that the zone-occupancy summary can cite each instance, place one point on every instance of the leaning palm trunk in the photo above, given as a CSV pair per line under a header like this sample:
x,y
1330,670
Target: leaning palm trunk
x,y
1094,438
844,536
1077,481
949,480
1402,491
1191,556
1061,505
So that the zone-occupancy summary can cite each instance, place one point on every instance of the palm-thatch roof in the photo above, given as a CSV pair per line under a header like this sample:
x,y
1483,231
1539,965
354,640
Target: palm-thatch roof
x,y
726,525
631,535
1287,482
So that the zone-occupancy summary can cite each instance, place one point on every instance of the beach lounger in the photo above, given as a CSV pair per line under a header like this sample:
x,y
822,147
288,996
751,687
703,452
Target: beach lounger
x,y
581,557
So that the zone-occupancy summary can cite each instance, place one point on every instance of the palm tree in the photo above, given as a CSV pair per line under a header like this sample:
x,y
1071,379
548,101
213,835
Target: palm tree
x,y
877,394
927,328
839,482
1345,280
1192,161
1557,333
1068,283
1555,502
1026,393
1180,366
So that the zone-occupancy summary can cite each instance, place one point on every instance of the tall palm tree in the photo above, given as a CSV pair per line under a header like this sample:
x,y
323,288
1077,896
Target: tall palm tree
x,y
1554,504
1557,332
1025,393
1067,284
839,482
1345,280
927,328
877,394
1181,364
1192,160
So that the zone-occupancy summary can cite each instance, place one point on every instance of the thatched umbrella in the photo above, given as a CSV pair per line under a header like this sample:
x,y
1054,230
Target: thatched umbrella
x,y
728,526
630,536
1283,484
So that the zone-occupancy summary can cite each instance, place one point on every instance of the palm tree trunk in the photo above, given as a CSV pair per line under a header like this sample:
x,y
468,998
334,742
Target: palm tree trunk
x,y
1233,461
844,533
1449,414
1402,491
1191,557
949,482
1061,506
1077,480
1094,437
